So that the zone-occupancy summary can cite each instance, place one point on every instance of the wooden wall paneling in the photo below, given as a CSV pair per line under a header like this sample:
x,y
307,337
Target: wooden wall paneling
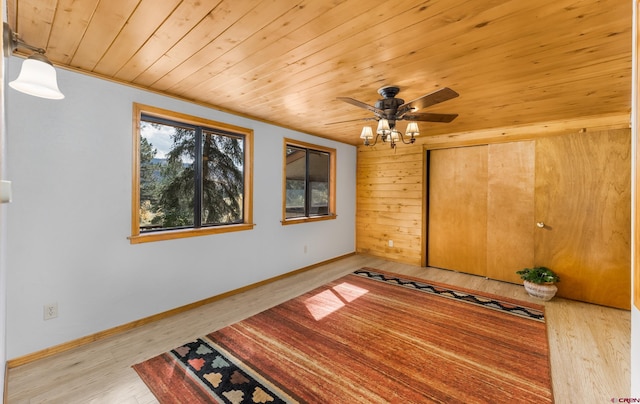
x,y
389,202
526,131
582,194
457,225
510,209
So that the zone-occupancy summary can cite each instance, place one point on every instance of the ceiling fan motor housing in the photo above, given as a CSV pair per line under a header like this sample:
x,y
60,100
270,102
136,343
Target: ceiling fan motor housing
x,y
389,104
389,91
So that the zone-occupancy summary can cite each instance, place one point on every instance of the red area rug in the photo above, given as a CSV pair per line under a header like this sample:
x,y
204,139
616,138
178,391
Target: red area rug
x,y
368,337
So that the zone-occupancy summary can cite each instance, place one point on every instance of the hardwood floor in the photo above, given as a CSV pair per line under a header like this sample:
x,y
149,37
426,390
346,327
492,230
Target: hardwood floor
x,y
589,344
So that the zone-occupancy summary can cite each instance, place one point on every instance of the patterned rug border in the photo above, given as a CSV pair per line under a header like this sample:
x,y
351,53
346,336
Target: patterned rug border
x,y
254,384
229,379
511,306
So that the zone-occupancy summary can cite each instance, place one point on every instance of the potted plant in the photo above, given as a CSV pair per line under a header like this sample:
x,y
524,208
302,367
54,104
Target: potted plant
x,y
539,282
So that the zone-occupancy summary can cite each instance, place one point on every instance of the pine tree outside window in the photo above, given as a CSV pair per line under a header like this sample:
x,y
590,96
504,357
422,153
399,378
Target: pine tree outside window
x,y
191,176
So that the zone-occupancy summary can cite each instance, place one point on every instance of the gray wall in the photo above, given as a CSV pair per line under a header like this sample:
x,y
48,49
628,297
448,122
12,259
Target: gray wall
x,y
67,228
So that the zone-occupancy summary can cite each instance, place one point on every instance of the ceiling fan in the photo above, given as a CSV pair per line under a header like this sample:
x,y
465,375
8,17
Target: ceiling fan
x,y
390,109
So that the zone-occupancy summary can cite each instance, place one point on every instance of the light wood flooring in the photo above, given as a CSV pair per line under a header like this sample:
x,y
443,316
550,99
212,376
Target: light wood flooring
x,y
589,344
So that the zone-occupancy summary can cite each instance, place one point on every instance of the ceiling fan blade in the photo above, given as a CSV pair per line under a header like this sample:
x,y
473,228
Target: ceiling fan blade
x,y
429,117
428,100
361,104
352,120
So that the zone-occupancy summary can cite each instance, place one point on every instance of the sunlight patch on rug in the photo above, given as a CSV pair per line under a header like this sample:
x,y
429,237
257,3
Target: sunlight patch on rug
x,y
370,336
328,301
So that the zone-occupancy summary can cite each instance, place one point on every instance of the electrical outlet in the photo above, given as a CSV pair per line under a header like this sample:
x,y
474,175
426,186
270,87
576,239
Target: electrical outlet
x,y
305,248
50,311
390,243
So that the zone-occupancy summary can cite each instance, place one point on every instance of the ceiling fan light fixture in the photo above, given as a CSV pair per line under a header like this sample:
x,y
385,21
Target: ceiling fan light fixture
x,y
395,136
412,129
367,133
383,127
390,110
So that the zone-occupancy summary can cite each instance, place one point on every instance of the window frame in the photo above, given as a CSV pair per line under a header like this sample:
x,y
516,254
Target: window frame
x,y
136,236
332,182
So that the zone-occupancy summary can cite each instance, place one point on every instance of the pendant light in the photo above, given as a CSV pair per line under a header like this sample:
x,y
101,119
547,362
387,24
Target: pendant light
x,y
37,76
388,132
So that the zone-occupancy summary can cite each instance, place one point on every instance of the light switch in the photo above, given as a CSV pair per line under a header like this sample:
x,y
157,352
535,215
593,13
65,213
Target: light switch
x,y
5,191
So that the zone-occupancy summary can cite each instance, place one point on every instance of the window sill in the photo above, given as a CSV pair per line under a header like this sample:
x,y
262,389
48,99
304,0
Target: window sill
x,y
298,220
176,234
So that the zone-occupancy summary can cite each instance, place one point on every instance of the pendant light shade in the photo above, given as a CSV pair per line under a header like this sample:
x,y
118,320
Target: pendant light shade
x,y
412,129
383,127
395,136
366,133
389,133
38,78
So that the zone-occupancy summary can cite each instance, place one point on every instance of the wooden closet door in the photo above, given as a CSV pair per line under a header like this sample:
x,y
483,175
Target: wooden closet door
x,y
510,205
481,209
583,197
457,228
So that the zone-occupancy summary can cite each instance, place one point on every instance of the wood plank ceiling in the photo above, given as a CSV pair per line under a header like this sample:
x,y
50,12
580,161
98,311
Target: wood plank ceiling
x,y
285,61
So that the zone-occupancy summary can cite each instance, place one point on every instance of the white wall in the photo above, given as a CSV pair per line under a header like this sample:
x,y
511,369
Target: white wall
x,y
3,228
635,353
70,163
3,241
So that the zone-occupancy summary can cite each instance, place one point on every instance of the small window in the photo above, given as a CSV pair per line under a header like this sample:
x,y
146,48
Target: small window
x,y
191,176
309,182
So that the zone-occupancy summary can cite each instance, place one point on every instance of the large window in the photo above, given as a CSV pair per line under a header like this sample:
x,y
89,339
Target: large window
x,y
309,182
191,176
